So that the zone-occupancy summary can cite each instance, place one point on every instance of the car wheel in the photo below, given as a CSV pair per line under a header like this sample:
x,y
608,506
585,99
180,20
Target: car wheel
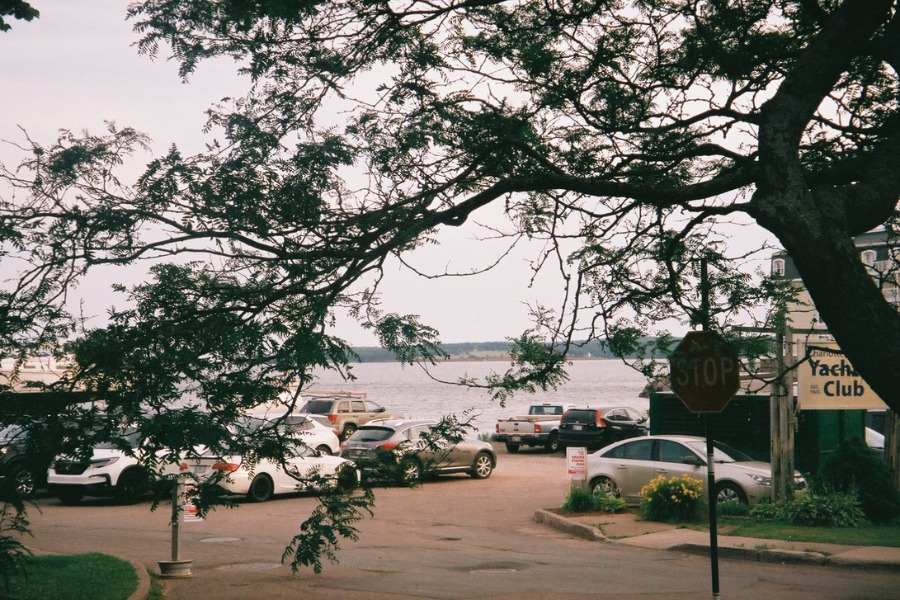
x,y
349,429
131,487
512,448
483,466
324,450
730,492
552,444
605,485
70,495
261,488
410,471
22,482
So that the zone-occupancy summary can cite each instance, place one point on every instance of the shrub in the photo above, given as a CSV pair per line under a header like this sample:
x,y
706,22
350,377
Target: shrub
x,y
581,499
764,510
672,499
855,468
12,552
835,509
607,503
732,508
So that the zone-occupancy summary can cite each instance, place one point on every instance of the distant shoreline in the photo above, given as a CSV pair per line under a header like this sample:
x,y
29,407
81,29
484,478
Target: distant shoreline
x,y
486,358
485,351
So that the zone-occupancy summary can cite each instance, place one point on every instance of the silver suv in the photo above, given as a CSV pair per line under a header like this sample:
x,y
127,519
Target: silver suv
x,y
346,411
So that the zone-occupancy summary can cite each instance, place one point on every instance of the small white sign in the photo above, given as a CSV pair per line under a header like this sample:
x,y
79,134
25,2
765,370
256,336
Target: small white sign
x,y
576,461
189,513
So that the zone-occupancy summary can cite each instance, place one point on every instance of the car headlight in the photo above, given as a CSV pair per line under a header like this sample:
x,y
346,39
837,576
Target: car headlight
x,y
762,480
103,462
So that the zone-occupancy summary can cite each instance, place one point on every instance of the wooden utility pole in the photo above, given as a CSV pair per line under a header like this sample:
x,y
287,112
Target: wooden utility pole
x,y
781,423
892,444
781,413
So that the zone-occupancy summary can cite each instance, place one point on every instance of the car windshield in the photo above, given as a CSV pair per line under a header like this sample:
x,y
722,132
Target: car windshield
x,y
579,416
722,453
371,434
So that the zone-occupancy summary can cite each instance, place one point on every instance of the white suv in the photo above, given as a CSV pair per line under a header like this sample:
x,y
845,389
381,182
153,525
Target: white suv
x,y
309,429
109,472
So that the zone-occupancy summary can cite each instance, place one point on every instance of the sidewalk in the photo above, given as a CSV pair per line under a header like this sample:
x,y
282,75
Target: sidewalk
x,y
627,528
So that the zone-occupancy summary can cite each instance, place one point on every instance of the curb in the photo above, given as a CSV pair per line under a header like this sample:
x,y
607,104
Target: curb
x,y
563,524
772,555
143,584
762,553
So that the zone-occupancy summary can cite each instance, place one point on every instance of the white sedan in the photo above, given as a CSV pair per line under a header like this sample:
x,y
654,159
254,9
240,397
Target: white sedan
x,y
625,467
308,470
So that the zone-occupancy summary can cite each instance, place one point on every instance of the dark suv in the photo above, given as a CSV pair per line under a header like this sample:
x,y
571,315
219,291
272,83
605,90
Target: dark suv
x,y
595,427
23,465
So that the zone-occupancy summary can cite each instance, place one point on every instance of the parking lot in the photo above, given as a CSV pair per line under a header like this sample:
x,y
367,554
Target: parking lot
x,y
452,538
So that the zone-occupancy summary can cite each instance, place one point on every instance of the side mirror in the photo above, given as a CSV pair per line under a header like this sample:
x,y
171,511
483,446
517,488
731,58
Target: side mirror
x,y
692,460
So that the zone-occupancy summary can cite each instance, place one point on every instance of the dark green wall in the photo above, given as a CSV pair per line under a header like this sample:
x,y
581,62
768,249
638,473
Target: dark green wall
x,y
744,424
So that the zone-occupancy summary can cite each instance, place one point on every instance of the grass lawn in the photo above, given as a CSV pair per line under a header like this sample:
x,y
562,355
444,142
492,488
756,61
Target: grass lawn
x,y
78,577
875,535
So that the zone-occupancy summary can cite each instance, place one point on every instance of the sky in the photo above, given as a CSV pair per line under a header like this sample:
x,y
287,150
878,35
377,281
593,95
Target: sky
x,y
75,68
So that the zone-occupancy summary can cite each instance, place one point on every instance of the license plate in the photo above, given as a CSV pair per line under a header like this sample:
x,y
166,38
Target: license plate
x,y
516,438
577,427
200,469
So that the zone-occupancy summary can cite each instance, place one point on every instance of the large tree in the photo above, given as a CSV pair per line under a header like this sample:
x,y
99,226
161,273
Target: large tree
x,y
623,135
626,138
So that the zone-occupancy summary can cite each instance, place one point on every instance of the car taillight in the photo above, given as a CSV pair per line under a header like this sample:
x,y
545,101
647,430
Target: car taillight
x,y
600,421
537,428
227,467
332,418
388,445
497,427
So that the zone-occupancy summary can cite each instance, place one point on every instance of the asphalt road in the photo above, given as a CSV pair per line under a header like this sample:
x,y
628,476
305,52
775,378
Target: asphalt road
x,y
455,538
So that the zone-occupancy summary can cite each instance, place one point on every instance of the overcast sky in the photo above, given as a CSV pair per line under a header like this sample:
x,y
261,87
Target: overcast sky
x,y
75,67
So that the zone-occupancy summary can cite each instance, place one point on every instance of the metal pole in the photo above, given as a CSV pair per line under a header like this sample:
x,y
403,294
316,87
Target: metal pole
x,y
710,462
176,496
713,518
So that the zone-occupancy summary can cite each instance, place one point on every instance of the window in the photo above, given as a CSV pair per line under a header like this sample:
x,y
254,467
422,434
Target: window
x,y
615,415
673,452
637,450
778,266
868,257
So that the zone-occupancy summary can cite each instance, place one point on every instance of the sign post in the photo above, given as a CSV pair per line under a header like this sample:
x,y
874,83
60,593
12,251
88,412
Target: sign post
x,y
704,374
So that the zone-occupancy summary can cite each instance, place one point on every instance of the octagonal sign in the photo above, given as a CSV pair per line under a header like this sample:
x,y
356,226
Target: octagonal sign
x,y
703,371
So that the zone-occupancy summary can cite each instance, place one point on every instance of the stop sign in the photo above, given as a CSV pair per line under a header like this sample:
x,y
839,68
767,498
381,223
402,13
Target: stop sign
x,y
703,371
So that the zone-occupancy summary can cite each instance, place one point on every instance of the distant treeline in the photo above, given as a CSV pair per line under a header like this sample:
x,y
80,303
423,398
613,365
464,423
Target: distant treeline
x,y
482,351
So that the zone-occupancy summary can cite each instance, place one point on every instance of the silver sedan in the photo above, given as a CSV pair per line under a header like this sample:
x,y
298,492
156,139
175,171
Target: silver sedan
x,y
625,467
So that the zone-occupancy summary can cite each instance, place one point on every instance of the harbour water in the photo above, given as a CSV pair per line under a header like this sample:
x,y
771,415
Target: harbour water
x,y
409,390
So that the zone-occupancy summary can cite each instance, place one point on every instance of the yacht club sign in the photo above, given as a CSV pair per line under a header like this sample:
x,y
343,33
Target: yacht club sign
x,y
827,381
